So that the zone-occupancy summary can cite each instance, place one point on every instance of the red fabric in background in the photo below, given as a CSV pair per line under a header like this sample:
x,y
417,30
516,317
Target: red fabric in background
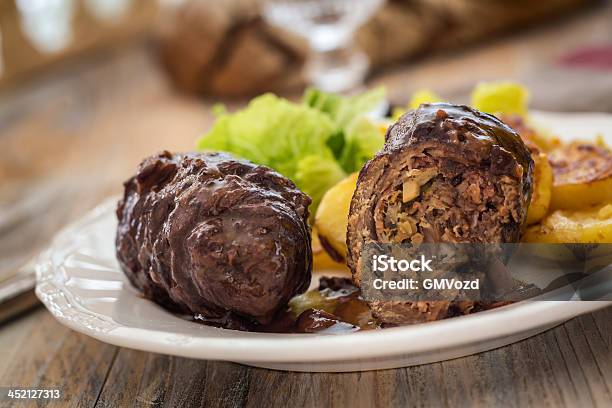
x,y
597,57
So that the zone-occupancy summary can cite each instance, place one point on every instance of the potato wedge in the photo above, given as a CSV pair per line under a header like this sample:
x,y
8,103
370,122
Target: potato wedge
x,y
582,176
542,175
331,219
321,261
593,225
542,186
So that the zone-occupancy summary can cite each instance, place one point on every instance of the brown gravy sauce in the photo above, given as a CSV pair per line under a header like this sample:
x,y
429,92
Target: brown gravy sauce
x,y
334,307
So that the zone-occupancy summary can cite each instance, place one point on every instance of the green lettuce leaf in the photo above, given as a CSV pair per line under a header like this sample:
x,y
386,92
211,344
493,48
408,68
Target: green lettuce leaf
x,y
315,143
271,131
315,175
344,109
279,134
356,139
362,139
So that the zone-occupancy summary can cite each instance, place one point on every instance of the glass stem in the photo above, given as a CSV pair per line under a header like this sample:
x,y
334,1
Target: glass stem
x,y
338,69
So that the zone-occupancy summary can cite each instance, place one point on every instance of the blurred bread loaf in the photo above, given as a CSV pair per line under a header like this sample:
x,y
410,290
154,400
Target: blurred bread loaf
x,y
225,48
406,28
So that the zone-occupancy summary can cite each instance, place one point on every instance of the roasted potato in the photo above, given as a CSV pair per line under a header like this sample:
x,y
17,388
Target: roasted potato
x,y
321,260
593,225
332,217
542,186
542,175
582,176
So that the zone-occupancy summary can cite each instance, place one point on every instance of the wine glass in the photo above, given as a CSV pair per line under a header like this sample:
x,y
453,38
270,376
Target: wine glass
x,y
337,64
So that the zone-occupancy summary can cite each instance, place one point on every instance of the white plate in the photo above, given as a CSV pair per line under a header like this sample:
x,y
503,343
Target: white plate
x,y
79,281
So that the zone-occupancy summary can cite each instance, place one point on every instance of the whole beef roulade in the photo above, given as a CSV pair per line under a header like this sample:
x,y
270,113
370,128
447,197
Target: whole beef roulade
x,y
222,239
446,173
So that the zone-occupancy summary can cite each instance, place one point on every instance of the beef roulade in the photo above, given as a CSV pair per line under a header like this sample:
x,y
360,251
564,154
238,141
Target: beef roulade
x,y
446,173
222,239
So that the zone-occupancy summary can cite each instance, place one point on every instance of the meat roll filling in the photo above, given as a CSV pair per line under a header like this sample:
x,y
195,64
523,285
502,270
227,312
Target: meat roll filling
x,y
438,201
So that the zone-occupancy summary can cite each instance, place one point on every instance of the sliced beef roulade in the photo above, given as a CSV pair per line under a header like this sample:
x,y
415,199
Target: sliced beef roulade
x,y
446,173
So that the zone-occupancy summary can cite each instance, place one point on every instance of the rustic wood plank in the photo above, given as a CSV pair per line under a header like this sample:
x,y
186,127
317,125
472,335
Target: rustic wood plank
x,y
559,369
41,342
123,379
597,346
542,370
81,366
602,321
567,366
223,384
591,360
352,389
173,382
52,356
534,369
12,336
414,386
578,381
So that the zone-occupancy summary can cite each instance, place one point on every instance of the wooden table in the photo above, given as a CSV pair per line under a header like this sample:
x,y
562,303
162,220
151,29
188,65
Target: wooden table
x,y
70,138
567,366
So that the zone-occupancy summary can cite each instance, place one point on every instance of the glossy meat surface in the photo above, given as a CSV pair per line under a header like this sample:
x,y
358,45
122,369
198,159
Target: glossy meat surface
x,y
215,237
